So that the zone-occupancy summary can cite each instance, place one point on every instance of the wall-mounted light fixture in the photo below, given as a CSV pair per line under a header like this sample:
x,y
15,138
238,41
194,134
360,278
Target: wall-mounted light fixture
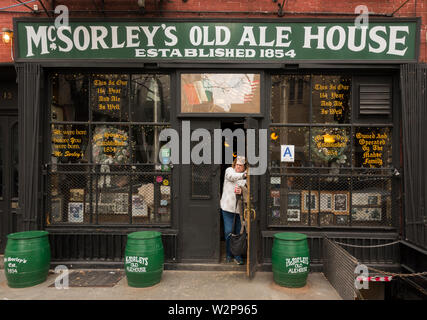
x,y
6,35
141,5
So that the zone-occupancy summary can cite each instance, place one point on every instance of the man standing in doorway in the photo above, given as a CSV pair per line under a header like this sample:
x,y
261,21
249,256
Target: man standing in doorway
x,y
233,191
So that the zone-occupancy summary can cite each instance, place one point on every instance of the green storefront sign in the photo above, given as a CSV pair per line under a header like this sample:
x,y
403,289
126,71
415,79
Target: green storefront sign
x,y
285,41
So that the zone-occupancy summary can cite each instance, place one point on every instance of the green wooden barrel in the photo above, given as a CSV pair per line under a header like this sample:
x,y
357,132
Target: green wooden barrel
x,y
290,259
27,258
144,258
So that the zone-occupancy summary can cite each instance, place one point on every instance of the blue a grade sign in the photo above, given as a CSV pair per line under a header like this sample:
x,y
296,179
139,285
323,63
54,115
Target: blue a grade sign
x,y
393,41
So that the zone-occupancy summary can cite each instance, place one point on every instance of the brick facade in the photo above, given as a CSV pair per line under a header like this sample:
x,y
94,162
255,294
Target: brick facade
x,y
220,8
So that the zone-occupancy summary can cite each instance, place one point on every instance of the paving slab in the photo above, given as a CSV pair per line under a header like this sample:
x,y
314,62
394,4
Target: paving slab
x,y
182,285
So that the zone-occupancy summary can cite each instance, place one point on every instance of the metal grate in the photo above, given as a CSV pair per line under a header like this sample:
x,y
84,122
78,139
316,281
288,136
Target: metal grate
x,y
338,268
200,181
93,278
89,194
414,118
316,199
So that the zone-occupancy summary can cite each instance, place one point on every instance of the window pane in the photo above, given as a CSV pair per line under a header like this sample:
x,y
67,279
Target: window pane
x,y
331,99
109,97
334,200
289,136
110,144
70,143
218,93
372,147
200,181
330,147
68,196
150,98
151,198
372,201
70,97
145,143
112,203
287,207
290,99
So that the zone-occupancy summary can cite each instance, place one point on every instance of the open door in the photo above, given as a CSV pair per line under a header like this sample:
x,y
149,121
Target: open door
x,y
251,214
199,212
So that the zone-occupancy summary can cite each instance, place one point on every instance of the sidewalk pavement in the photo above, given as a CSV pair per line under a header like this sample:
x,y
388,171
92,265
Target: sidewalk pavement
x,y
181,285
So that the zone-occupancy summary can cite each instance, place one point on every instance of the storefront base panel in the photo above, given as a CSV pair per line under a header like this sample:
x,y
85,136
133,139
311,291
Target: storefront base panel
x,y
94,264
384,255
107,248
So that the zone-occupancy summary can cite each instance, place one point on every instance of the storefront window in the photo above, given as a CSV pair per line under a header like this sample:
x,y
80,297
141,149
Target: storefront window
x,y
220,93
145,143
110,144
296,136
105,166
336,174
290,97
70,97
331,99
109,97
150,98
372,147
329,147
70,143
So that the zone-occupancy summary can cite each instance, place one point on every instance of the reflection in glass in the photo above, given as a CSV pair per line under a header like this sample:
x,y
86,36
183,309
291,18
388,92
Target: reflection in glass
x,y
289,136
109,97
150,98
69,97
331,99
220,93
146,144
290,99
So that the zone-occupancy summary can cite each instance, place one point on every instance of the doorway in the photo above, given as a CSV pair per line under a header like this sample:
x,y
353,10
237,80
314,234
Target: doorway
x,y
232,124
8,176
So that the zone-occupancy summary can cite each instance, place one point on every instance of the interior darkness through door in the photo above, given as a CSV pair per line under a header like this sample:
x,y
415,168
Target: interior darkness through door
x,y
231,124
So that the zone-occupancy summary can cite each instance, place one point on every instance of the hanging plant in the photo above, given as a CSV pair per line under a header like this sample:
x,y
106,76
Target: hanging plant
x,y
328,144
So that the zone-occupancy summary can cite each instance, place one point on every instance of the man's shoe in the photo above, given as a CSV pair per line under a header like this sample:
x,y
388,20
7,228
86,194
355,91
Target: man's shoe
x,y
238,261
229,259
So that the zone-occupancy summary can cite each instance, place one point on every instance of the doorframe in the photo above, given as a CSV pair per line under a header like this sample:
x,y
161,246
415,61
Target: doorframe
x,y
10,119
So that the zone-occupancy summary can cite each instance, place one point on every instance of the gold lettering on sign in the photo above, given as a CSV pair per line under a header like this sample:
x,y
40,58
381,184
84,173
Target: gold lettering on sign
x,y
67,143
108,93
373,148
333,98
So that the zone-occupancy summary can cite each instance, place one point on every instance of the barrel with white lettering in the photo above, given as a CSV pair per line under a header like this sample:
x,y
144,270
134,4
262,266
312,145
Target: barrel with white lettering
x,y
27,258
144,258
290,259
